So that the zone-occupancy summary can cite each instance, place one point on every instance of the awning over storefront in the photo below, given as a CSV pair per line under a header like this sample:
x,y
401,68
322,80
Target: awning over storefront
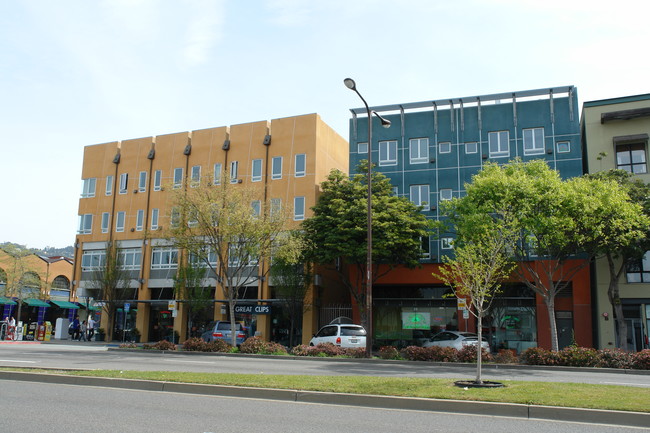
x,y
6,301
35,302
65,304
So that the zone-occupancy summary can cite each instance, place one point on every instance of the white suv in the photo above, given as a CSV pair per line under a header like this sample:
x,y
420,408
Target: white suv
x,y
341,335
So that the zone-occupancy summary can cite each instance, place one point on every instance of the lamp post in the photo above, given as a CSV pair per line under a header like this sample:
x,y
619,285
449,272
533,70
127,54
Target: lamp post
x,y
350,84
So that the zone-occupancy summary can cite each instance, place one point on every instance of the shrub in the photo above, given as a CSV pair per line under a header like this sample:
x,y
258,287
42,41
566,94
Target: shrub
x,y
355,352
389,352
415,353
505,356
327,349
300,350
195,345
539,356
218,346
576,356
128,346
468,354
274,348
161,345
441,354
615,358
253,345
642,360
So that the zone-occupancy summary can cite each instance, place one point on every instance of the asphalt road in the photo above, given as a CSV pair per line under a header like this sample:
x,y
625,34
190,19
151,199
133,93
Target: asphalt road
x,y
37,407
89,356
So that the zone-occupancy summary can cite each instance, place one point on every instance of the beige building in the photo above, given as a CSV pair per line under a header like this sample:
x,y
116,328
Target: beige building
x,y
615,135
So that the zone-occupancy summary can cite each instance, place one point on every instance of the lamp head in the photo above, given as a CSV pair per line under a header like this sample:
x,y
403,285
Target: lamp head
x,y
385,123
350,84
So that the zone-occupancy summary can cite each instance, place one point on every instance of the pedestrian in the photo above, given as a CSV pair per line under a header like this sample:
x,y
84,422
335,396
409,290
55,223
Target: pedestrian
x,y
82,331
75,328
91,328
12,328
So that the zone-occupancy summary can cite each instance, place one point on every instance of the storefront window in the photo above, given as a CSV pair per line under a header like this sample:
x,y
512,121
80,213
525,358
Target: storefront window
x,y
512,320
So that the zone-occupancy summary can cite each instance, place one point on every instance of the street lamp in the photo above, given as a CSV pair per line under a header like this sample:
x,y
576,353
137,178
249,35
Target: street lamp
x,y
350,84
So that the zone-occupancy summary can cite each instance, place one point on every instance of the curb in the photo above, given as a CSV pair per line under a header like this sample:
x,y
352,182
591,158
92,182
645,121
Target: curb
x,y
514,410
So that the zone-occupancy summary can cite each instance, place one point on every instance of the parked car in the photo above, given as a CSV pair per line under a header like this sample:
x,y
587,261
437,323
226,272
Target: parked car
x,y
343,335
221,330
455,339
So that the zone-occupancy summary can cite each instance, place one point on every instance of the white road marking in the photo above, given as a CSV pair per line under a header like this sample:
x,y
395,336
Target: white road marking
x,y
13,360
626,384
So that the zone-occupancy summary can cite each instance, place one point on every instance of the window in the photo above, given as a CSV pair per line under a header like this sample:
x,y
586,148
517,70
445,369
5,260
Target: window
x,y
638,271
533,141
195,176
157,180
444,147
276,206
164,258
362,147
124,182
447,243
130,258
301,165
105,220
388,152
175,217
88,188
395,191
419,150
154,218
142,181
420,195
193,218
299,208
119,224
426,247
256,175
217,173
93,260
139,220
109,185
446,194
201,260
178,177
256,207
234,169
85,224
471,147
631,157
563,146
276,167
498,143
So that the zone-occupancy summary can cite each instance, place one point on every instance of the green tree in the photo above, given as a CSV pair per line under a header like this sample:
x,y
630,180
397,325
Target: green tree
x,y
337,231
623,246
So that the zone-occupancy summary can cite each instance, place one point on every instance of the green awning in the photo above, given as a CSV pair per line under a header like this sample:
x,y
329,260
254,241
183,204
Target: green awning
x,y
35,302
7,301
65,304
89,307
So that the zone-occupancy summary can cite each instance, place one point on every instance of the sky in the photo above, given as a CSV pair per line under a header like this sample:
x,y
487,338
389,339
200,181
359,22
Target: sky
x,y
77,72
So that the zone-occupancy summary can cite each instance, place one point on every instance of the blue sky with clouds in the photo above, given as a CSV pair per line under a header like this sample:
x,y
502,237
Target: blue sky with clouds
x,y
79,72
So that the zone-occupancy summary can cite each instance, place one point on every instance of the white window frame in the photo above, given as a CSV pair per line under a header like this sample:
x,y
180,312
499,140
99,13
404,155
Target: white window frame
x,y
387,153
362,147
276,168
85,224
561,145
425,245
139,220
164,258
256,170
473,144
256,207
234,171
276,206
419,150
175,217
157,180
217,172
109,185
300,167
93,260
299,208
124,183
502,144
130,259
533,144
446,194
120,221
88,187
446,243
420,195
178,177
155,214
444,147
142,181
106,220
195,176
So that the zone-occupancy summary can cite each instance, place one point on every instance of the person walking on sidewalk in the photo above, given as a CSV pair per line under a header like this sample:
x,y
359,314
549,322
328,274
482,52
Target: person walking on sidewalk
x,y
91,328
82,331
75,328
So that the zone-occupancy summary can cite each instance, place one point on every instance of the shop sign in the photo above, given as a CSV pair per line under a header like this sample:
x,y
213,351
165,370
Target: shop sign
x,y
171,305
252,309
462,303
416,320
127,307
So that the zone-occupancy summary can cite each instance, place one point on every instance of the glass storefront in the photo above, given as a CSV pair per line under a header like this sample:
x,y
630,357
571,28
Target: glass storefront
x,y
512,322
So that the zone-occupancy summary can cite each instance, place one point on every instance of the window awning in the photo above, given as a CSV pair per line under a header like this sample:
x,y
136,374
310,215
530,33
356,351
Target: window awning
x,y
6,301
35,302
90,307
65,304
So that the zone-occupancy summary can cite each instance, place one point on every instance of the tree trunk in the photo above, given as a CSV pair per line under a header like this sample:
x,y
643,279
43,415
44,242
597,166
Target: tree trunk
x,y
550,307
479,348
233,325
614,296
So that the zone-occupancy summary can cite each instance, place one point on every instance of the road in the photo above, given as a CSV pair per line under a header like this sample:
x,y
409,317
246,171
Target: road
x,y
88,356
39,407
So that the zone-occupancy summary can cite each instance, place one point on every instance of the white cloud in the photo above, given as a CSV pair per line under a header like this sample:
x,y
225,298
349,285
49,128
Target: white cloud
x,y
205,29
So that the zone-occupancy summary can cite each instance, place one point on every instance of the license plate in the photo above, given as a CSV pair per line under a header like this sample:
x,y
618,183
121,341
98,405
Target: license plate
x,y
353,340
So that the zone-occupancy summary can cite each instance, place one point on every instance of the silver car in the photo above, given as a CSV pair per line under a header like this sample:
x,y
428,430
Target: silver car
x,y
455,339
343,335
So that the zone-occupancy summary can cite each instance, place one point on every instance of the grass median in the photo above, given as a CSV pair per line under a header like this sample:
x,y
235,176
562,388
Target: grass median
x,y
578,395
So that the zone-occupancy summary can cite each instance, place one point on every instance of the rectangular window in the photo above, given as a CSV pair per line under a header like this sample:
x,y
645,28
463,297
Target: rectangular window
x,y
499,144
164,258
638,271
119,223
426,247
217,173
109,185
193,218
563,146
299,208
154,218
234,169
276,167
201,260
256,173
105,221
157,180
124,182
256,207
419,150
178,177
534,141
88,188
276,206
388,153
447,243
395,191
631,157
362,147
93,260
471,147
301,165
85,224
446,194
175,217
420,195
444,147
139,220
195,176
130,258
142,181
